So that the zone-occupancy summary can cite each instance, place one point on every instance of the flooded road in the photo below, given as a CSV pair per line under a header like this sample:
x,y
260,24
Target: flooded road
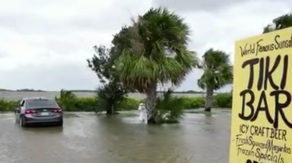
x,y
87,138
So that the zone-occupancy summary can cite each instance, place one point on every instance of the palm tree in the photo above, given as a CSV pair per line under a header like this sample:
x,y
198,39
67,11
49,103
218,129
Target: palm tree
x,y
281,22
158,54
217,73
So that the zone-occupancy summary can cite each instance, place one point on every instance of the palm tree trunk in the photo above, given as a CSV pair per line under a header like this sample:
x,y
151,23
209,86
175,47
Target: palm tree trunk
x,y
110,108
209,99
151,103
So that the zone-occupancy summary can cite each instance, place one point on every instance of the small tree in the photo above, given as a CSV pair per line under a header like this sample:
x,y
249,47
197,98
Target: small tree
x,y
217,73
112,91
109,95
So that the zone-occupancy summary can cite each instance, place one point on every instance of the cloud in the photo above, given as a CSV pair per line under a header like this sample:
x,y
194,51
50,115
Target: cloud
x,y
211,5
190,5
45,43
3,53
220,30
46,17
49,77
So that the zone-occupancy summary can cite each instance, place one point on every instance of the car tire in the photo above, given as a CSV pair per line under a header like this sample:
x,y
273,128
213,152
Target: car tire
x,y
22,122
60,123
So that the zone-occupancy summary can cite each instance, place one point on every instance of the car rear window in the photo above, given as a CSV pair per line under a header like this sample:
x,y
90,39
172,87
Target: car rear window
x,y
41,103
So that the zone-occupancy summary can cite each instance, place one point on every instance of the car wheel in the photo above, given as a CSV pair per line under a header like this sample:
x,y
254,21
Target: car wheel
x,y
60,123
22,122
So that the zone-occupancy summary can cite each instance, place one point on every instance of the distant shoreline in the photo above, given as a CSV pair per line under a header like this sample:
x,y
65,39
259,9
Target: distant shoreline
x,y
16,95
91,91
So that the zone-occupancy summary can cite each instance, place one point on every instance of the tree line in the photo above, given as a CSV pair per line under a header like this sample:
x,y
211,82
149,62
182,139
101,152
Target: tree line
x,y
176,106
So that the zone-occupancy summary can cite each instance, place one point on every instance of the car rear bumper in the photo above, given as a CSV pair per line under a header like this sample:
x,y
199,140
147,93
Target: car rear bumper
x,y
34,120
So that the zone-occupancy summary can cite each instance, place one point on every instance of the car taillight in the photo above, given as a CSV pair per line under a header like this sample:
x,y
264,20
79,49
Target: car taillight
x,y
29,112
57,111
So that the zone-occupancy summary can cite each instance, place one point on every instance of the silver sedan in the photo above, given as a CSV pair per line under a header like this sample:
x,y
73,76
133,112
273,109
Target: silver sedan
x,y
38,110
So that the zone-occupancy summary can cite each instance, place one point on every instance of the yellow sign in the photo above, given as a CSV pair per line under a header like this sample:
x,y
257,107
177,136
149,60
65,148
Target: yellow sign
x,y
261,130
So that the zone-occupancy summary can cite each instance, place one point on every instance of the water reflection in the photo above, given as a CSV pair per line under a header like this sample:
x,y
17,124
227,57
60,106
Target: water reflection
x,y
88,138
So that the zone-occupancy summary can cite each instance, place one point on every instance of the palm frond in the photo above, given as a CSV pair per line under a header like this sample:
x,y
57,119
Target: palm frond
x,y
137,71
158,52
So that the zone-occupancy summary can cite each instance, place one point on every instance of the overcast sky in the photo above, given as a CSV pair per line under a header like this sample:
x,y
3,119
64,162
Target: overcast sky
x,y
44,44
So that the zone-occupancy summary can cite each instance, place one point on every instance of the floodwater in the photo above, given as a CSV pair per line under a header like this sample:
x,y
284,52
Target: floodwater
x,y
87,138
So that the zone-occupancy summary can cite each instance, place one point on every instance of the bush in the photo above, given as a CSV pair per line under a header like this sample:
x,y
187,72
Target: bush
x,y
7,105
73,103
222,100
85,104
170,109
128,104
194,102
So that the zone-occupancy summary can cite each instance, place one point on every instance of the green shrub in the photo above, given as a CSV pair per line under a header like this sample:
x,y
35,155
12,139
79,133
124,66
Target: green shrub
x,y
188,103
128,104
7,105
85,104
170,109
222,100
70,102
194,102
